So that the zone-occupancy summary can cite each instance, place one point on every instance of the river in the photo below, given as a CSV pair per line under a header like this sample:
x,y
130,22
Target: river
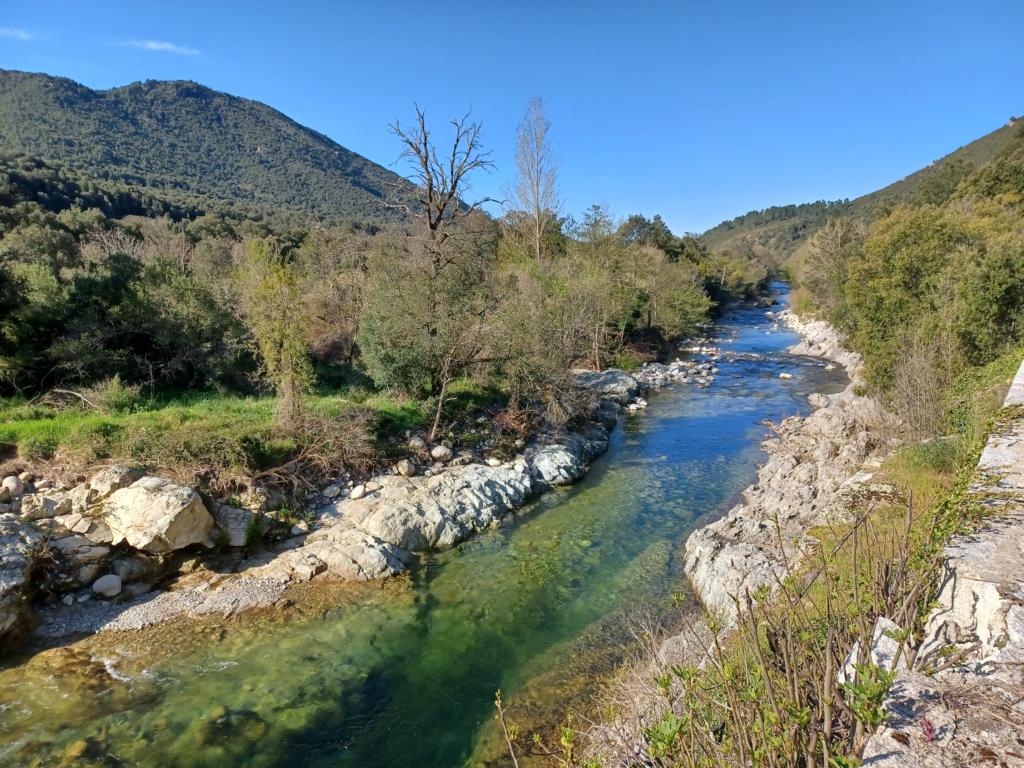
x,y
404,674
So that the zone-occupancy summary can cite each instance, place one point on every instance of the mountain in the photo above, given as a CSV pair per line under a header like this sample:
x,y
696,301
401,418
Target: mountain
x,y
183,141
778,231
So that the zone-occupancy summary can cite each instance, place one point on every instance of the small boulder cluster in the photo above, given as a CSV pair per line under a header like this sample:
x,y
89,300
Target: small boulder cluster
x,y
111,536
655,375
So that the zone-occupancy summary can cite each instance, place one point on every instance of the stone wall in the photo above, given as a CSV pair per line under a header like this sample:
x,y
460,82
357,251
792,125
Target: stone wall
x,y
963,701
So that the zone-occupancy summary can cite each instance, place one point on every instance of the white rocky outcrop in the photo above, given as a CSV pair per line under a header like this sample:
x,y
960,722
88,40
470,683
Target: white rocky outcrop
x,y
19,545
154,514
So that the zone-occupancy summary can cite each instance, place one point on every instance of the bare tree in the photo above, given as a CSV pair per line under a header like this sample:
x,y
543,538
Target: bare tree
x,y
426,313
535,193
441,179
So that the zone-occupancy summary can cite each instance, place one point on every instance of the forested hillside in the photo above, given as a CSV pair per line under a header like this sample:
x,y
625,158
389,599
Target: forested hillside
x,y
776,233
194,147
932,284
116,299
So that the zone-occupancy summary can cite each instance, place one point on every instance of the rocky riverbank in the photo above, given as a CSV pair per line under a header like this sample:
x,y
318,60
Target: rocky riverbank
x,y
124,550
816,465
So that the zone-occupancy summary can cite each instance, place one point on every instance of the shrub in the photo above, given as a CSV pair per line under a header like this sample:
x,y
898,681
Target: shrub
x,y
114,396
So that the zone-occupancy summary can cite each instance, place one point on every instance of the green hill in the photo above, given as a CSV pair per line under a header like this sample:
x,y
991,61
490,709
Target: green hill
x,y
183,141
778,231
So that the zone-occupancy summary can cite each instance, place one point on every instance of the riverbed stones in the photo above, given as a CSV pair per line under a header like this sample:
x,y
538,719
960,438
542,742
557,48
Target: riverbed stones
x,y
19,545
441,453
107,586
154,514
357,492
13,485
405,468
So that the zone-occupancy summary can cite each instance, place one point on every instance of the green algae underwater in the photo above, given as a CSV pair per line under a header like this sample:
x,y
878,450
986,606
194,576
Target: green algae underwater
x,y
404,673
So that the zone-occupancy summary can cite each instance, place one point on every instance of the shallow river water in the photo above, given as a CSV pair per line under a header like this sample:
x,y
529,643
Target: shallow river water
x,y
404,674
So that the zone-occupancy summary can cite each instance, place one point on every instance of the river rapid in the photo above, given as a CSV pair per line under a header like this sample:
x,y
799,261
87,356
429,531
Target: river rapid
x,y
404,673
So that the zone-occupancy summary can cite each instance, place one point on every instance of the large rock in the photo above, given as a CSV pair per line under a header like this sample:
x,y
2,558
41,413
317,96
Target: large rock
x,y
235,523
19,545
422,513
341,552
565,461
113,478
38,506
610,383
557,465
158,515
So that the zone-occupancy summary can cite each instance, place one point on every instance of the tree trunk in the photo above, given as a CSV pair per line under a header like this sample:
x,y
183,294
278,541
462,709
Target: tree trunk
x,y
437,414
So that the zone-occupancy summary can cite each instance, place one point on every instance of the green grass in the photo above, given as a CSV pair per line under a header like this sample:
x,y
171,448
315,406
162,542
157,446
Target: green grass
x,y
188,433
213,438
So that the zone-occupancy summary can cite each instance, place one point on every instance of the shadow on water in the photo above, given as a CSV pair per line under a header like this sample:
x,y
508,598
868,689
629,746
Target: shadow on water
x,y
406,676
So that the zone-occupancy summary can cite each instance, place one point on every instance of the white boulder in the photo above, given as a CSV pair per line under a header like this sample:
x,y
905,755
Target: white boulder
x,y
158,515
107,586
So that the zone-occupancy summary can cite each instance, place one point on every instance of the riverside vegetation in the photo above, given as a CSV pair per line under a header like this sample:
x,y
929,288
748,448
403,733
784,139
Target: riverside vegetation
x,y
262,358
928,290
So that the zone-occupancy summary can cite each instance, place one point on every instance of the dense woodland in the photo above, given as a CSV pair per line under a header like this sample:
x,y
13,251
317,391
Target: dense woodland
x,y
118,297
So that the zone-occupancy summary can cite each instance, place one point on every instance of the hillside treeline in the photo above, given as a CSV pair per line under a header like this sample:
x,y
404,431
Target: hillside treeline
x,y
929,287
101,283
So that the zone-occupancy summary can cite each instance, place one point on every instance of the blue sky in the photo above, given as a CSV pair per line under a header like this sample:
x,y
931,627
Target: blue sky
x,y
698,111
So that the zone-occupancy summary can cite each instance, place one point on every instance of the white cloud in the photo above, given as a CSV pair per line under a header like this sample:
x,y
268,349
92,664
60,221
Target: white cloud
x,y
163,47
16,34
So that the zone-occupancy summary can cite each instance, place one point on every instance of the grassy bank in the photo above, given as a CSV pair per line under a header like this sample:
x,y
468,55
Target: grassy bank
x,y
212,438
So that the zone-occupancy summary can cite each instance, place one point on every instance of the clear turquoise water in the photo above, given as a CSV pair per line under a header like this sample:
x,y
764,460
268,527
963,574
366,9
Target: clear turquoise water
x,y
406,675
